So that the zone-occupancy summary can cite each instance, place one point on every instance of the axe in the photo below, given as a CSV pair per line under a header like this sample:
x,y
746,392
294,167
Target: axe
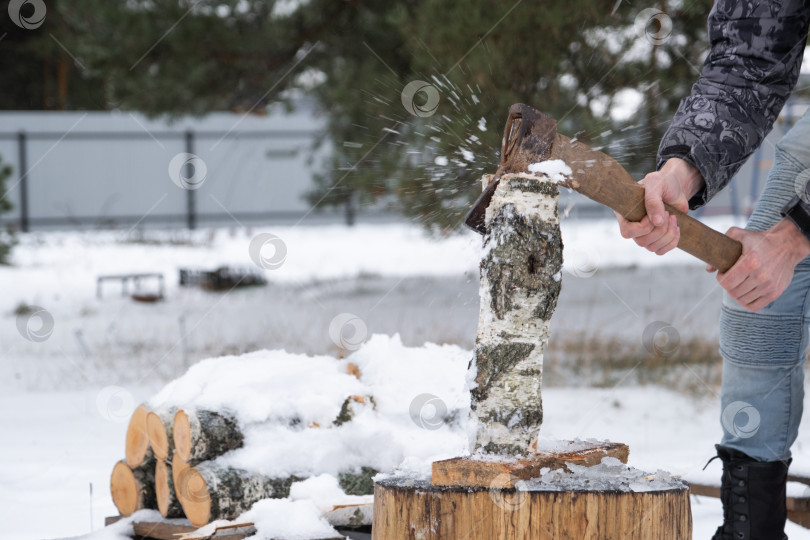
x,y
531,136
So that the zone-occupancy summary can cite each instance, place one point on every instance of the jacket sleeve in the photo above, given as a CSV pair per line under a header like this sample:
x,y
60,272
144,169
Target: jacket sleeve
x,y
756,52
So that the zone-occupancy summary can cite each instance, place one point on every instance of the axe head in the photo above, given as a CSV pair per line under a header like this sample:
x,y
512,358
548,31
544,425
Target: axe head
x,y
527,139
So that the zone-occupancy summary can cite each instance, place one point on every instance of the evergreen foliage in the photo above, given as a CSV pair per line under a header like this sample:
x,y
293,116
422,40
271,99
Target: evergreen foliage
x,y
573,60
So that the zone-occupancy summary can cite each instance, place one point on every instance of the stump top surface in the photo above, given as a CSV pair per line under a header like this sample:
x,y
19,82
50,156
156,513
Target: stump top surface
x,y
409,483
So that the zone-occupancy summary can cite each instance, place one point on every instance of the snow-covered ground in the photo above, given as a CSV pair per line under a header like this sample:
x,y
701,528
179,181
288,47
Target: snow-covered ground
x,y
64,400
60,443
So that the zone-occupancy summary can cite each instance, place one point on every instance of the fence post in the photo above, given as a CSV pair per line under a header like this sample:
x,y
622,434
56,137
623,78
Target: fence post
x,y
191,211
22,166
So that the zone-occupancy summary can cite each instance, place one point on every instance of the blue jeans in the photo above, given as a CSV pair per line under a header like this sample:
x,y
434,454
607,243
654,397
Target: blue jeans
x,y
764,352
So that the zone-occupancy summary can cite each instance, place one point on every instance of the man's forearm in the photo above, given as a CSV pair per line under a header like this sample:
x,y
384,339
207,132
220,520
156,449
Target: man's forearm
x,y
730,108
687,175
789,238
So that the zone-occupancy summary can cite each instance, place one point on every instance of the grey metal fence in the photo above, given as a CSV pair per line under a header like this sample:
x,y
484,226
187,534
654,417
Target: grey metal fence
x,y
102,170
112,170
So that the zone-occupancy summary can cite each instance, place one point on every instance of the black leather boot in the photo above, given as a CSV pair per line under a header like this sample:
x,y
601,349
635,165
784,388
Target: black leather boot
x,y
753,495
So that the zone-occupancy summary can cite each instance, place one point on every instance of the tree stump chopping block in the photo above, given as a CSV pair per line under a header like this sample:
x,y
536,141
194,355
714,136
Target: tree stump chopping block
x,y
408,509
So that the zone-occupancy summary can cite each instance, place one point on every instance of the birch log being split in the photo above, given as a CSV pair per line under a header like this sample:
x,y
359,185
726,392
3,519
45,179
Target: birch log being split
x,y
200,435
520,283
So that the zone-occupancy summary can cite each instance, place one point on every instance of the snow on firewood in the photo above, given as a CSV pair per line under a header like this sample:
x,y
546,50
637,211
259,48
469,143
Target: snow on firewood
x,y
420,409
327,425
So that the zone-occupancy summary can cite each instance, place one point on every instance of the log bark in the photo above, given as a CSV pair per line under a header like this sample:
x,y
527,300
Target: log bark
x,y
352,406
202,435
520,283
159,431
137,449
406,510
133,489
210,491
167,503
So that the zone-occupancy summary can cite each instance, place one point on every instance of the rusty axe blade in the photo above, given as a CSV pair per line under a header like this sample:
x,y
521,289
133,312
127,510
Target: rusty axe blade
x,y
527,138
531,136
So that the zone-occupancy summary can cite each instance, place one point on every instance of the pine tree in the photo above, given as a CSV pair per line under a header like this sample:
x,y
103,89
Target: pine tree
x,y
357,58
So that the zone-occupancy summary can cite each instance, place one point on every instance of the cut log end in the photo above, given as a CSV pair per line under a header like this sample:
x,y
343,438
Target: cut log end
x,y
137,442
132,489
124,489
162,487
158,437
178,466
167,502
182,435
192,491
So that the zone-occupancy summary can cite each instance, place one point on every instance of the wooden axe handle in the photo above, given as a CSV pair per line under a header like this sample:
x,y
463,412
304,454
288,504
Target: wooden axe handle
x,y
602,179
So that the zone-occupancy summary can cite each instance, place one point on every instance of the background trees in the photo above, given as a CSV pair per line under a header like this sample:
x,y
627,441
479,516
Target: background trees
x,y
580,61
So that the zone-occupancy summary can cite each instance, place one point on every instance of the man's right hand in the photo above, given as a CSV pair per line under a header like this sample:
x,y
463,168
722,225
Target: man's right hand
x,y
675,183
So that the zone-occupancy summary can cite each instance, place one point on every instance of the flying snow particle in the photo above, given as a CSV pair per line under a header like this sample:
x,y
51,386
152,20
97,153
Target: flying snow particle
x,y
441,161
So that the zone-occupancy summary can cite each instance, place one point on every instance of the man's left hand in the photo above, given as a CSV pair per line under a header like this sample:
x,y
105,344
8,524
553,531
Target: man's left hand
x,y
765,268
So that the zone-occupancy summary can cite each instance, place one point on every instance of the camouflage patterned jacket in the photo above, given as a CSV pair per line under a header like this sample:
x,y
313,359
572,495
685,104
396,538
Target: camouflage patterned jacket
x,y
756,52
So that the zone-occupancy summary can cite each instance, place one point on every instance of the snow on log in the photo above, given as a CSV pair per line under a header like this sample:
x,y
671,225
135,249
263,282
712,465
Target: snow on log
x,y
137,449
520,283
167,503
210,491
159,431
264,386
201,435
133,489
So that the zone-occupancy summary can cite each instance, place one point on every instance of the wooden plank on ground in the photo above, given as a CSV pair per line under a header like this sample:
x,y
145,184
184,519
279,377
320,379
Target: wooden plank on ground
x,y
504,473
160,530
171,531
798,508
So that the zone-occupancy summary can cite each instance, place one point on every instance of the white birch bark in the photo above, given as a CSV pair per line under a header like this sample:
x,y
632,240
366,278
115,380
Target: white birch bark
x,y
520,283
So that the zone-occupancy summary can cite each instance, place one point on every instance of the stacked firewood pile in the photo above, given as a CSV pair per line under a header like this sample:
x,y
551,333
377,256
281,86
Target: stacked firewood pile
x,y
170,465
234,430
